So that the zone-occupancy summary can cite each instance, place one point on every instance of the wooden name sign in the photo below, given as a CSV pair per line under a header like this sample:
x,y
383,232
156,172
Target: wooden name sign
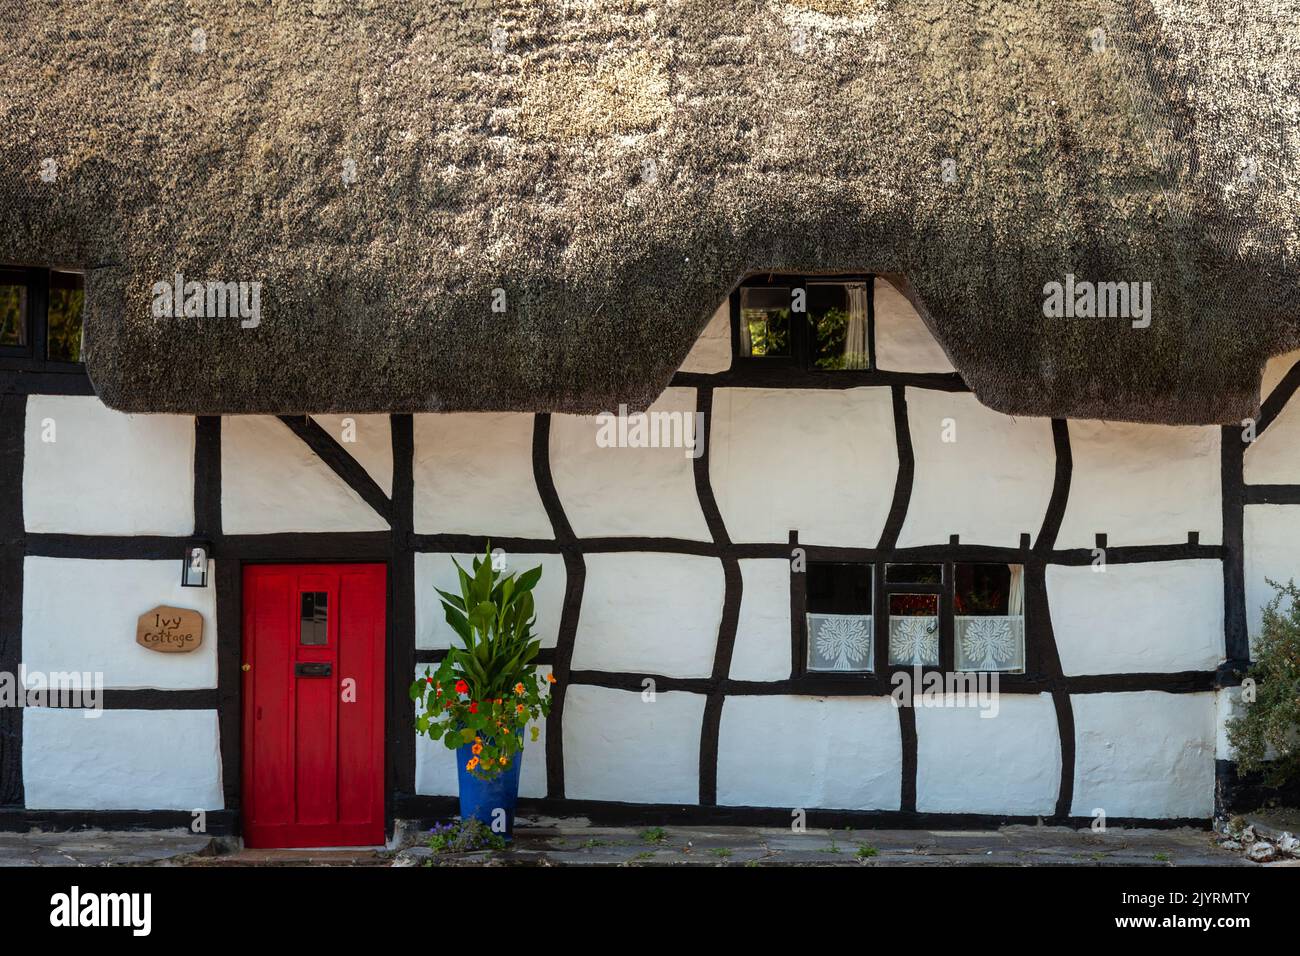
x,y
171,630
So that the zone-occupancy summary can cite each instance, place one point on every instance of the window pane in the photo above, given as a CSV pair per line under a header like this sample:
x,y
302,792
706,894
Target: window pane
x,y
67,296
914,574
839,617
989,624
314,624
765,322
914,629
13,311
838,316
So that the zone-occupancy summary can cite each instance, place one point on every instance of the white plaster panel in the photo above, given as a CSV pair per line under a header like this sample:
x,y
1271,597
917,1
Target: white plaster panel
x,y
650,613
474,475
628,491
1142,484
106,472
371,444
968,762
80,615
842,753
989,484
435,570
122,760
1144,754
1161,616
903,341
619,746
762,650
819,461
712,350
1273,458
271,481
1227,705
1272,550
435,765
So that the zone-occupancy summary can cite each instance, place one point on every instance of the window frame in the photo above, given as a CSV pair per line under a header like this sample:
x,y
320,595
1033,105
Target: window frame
x,y
800,357
32,356
883,669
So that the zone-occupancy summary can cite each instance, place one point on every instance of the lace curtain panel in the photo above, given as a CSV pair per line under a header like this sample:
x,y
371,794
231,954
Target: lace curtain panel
x,y
990,643
914,640
840,642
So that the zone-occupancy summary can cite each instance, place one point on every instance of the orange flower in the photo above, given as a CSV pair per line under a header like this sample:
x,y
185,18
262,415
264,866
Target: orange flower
x,y
519,708
503,761
550,678
473,762
519,688
476,749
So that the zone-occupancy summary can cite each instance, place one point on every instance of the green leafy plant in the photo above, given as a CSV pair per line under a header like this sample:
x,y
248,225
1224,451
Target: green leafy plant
x,y
653,835
485,693
464,836
1266,733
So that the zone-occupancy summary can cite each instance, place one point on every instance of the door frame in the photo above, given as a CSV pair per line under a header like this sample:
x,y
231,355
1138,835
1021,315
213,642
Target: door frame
x,y
229,582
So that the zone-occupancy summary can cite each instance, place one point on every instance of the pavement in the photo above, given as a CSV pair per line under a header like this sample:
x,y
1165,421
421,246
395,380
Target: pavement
x,y
573,842
569,843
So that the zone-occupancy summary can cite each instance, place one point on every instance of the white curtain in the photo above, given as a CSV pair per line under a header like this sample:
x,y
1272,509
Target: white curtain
x,y
1016,591
855,333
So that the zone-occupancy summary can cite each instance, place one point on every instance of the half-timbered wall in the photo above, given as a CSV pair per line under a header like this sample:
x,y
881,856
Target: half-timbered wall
x,y
665,607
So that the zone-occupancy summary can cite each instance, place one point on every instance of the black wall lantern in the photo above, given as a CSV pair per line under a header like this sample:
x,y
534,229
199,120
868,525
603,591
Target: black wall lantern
x,y
194,569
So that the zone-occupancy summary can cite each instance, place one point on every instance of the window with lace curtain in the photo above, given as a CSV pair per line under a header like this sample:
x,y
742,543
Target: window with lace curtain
x,y
961,616
838,618
989,617
816,323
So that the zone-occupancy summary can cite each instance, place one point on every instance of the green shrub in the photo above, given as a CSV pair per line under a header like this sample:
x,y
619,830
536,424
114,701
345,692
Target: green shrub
x,y
1266,731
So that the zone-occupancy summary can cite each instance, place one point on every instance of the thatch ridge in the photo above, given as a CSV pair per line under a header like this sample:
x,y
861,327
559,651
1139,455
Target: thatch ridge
x,y
615,166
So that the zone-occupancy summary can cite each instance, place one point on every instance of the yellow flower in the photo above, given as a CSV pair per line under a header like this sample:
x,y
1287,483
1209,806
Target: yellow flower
x,y
473,762
503,761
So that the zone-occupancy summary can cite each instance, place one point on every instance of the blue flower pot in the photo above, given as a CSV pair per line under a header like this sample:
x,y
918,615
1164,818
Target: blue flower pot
x,y
482,799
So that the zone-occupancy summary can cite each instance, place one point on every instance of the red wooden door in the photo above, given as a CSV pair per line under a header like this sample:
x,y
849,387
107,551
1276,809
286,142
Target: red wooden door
x,y
314,705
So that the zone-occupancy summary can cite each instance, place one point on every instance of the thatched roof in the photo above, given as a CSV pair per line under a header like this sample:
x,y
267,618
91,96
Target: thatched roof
x,y
616,165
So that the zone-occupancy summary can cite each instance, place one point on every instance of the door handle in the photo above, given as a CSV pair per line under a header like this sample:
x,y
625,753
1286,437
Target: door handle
x,y
246,668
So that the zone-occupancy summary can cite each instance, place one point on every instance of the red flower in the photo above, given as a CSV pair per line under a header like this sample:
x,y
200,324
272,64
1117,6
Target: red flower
x,y
428,680
473,707
462,687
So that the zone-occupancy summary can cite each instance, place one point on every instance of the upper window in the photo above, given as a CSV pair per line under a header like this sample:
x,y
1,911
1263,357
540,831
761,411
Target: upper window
x,y
809,322
41,316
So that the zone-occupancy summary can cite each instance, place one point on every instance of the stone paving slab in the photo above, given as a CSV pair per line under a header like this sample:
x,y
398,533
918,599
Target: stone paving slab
x,y
103,848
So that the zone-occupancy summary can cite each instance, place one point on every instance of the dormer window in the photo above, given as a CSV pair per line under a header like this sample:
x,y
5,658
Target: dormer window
x,y
811,322
41,318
